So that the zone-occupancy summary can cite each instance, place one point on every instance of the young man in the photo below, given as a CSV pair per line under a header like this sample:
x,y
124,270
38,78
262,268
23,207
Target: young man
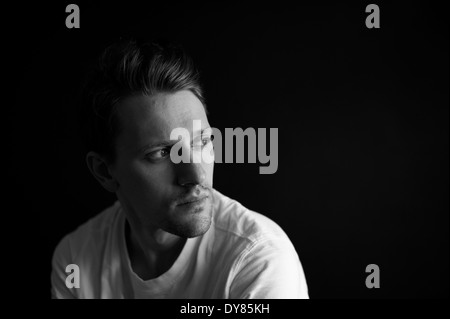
x,y
170,234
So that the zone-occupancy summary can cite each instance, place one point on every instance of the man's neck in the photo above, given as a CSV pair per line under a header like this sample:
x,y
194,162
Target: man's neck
x,y
152,254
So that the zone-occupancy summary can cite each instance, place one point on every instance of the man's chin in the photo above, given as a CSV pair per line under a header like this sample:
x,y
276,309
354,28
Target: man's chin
x,y
199,229
196,226
191,220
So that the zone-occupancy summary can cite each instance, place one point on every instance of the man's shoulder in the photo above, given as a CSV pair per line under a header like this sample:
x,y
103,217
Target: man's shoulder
x,y
264,262
92,232
235,220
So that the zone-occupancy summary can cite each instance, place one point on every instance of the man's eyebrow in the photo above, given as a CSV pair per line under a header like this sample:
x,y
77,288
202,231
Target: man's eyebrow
x,y
172,142
159,144
196,136
203,131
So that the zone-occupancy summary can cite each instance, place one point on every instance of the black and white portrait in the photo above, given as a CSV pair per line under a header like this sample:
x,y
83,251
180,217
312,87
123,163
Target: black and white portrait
x,y
235,152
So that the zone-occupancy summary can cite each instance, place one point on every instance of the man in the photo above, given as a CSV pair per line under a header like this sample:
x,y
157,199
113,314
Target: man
x,y
170,234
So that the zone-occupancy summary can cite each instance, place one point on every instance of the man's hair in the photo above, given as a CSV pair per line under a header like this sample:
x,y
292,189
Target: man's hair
x,y
127,68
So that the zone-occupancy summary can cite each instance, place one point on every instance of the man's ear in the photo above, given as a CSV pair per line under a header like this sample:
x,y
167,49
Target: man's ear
x,y
99,167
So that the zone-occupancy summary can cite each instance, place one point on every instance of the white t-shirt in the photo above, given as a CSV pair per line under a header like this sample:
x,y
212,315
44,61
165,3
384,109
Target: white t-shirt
x,y
243,255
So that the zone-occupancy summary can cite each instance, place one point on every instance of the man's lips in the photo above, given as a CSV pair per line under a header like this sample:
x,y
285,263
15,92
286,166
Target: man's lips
x,y
192,199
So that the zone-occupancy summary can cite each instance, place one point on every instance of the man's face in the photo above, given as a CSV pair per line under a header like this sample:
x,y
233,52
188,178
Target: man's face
x,y
155,192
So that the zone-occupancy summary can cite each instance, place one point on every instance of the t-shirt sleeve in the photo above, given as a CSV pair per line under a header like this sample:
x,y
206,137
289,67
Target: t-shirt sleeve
x,y
269,269
60,260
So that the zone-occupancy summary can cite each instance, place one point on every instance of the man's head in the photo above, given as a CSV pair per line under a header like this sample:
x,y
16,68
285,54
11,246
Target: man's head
x,y
138,94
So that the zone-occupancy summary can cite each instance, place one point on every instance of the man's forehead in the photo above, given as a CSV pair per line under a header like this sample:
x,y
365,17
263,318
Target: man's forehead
x,y
145,117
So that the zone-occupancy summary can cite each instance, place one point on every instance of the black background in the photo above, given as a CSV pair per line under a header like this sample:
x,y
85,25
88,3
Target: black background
x,y
362,116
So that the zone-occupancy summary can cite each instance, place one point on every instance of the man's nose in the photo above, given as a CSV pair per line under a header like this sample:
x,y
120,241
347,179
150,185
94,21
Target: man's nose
x,y
190,174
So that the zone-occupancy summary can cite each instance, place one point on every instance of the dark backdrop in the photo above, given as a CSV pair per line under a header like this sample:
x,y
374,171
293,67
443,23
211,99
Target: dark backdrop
x,y
362,117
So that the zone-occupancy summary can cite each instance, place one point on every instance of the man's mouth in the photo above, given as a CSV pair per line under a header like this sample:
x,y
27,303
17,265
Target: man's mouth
x,y
192,200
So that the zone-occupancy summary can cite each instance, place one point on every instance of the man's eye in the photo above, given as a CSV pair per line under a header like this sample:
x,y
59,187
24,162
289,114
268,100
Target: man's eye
x,y
158,154
207,140
201,141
